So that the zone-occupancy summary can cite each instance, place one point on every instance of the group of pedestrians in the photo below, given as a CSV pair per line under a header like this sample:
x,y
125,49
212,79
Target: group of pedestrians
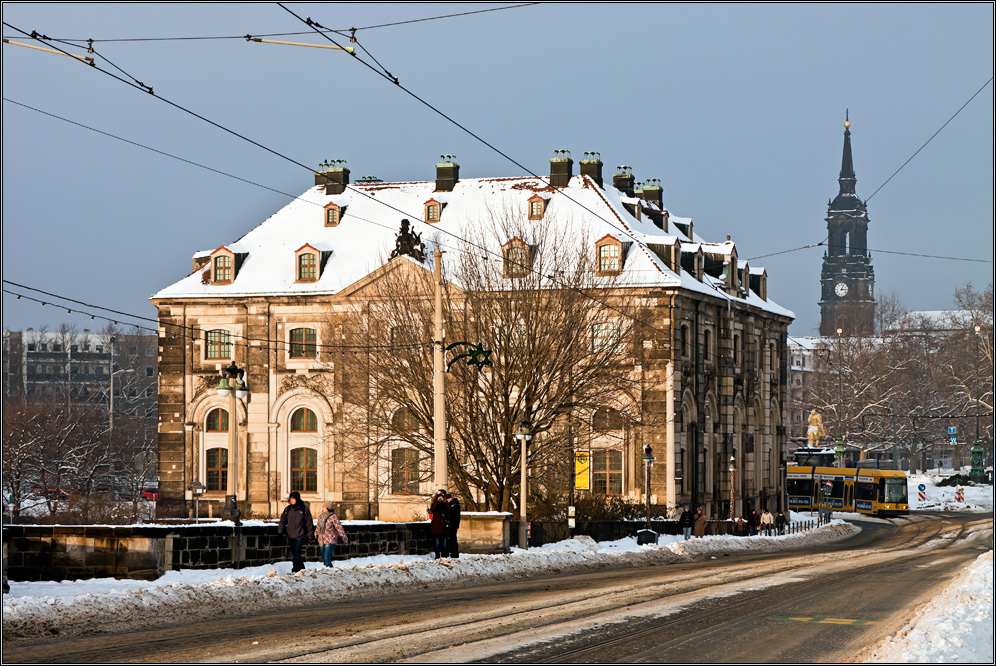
x,y
695,525
692,525
444,514
298,525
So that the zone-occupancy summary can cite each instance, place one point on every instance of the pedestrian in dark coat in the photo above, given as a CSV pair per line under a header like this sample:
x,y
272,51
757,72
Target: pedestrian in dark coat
x,y
754,522
296,522
438,523
686,521
453,518
700,524
329,532
781,522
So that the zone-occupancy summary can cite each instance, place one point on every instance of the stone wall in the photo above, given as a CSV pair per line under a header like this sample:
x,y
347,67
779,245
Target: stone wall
x,y
38,552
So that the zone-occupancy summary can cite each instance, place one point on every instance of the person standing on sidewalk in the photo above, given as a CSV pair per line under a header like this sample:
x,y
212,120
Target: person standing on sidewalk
x,y
296,522
453,523
686,521
437,523
329,532
767,522
700,524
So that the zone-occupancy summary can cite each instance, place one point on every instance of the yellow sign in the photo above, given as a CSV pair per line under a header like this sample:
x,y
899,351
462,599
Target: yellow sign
x,y
582,470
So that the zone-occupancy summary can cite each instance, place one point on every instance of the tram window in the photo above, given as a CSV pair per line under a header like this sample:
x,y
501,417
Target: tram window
x,y
800,487
864,491
837,491
895,491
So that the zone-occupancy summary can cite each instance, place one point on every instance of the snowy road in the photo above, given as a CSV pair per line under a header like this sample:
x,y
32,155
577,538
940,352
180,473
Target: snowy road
x,y
736,608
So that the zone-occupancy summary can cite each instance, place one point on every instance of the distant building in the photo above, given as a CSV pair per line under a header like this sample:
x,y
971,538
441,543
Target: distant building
x,y
847,300
67,366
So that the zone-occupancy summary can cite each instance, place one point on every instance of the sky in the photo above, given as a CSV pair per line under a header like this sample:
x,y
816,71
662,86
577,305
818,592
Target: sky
x,y
737,109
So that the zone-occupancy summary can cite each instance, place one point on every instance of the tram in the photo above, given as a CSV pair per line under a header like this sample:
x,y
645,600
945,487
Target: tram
x,y
877,492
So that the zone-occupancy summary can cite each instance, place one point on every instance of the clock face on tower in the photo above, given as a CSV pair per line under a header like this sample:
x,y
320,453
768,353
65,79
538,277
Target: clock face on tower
x,y
840,289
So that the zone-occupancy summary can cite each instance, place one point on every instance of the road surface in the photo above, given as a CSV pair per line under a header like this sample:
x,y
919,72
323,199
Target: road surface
x,y
823,605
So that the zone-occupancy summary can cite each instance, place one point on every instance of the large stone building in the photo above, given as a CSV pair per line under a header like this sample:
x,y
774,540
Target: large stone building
x,y
710,361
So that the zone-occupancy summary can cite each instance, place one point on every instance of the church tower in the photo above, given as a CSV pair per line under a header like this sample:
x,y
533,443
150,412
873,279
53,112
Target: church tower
x,y
847,301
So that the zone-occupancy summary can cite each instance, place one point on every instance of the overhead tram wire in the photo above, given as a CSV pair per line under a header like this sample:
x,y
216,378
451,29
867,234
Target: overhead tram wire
x,y
341,31
194,331
41,38
525,267
850,217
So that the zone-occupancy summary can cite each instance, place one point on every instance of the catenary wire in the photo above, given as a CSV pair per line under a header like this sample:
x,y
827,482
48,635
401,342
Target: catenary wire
x,y
341,31
528,268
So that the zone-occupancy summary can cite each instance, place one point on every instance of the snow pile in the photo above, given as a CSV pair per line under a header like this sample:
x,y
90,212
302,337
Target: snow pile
x,y
978,499
956,626
85,607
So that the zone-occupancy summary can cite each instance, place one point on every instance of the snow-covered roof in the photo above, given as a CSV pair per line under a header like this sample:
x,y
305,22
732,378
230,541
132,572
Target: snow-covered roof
x,y
366,234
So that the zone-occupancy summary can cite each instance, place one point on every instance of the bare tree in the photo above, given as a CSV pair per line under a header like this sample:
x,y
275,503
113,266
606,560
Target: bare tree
x,y
560,342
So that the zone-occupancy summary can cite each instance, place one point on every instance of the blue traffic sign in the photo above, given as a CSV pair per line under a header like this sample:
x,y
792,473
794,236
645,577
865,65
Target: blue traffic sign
x,y
952,430
921,487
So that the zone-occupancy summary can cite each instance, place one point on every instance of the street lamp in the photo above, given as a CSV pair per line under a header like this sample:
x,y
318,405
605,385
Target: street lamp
x,y
523,434
196,489
733,477
839,450
237,388
977,472
648,462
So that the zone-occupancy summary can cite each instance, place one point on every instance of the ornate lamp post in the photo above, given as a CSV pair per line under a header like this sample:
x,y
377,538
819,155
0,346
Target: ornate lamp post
x,y
523,434
648,462
977,472
733,484
196,489
237,388
839,449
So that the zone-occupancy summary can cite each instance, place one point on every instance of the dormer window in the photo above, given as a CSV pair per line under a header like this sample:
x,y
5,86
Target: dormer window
x,y
307,264
433,210
609,254
223,268
518,258
537,207
333,215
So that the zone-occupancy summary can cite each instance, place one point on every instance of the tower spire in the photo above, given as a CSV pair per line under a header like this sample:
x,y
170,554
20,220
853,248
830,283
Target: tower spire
x,y
846,199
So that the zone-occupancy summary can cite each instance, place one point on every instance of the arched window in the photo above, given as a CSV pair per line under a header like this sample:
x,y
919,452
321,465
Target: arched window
x,y
217,420
304,343
217,469
537,206
404,420
219,344
605,419
304,470
517,259
304,420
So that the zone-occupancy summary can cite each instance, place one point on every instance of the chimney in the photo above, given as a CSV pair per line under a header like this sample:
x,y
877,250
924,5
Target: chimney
x,y
591,166
622,180
447,173
652,192
334,175
561,168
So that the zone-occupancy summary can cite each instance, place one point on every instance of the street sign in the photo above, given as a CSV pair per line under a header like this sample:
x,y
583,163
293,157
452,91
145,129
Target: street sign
x,y
921,487
582,470
953,440
952,430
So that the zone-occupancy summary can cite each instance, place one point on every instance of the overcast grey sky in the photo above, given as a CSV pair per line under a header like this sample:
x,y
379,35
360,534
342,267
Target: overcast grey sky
x,y
737,109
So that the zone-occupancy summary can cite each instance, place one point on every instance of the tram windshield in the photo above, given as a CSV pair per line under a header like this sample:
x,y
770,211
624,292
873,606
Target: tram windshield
x,y
895,491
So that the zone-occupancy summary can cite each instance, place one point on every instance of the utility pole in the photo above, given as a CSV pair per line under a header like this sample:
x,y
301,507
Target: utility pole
x,y
439,378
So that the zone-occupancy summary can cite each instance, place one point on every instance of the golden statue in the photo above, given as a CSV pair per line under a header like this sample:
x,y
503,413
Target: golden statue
x,y
816,430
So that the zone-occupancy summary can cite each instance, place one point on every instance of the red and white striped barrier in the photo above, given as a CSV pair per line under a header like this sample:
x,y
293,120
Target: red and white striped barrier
x,y
960,495
923,496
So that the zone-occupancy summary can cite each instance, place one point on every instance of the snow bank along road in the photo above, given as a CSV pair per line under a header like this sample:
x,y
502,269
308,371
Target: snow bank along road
x,y
821,603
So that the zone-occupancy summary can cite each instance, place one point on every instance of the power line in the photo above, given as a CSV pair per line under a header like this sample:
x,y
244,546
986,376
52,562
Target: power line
x,y
340,31
194,332
848,216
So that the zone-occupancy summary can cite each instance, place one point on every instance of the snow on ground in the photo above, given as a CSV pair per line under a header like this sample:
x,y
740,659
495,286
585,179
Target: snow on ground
x,y
38,609
978,499
955,626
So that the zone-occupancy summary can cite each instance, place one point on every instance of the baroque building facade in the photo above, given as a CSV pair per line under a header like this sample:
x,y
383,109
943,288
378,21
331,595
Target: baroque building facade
x,y
711,372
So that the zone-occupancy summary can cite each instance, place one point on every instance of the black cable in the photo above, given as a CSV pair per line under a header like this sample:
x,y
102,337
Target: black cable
x,y
293,34
194,332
